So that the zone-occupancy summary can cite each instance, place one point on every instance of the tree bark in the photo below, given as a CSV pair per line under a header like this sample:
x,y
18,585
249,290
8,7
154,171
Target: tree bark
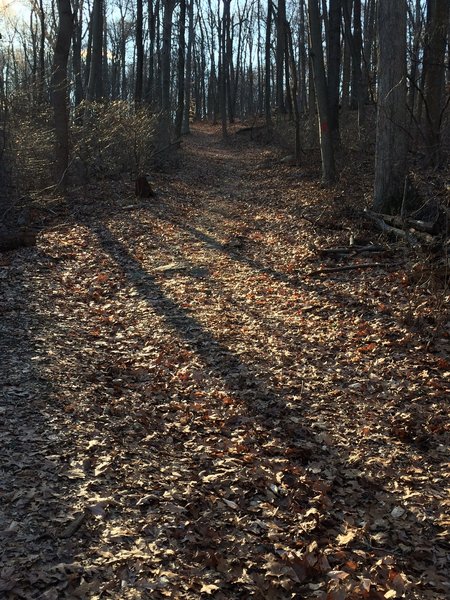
x,y
294,78
76,53
169,6
368,63
303,58
41,75
267,106
391,143
60,91
139,53
354,40
188,81
95,83
181,65
224,66
149,88
434,76
280,54
320,85
334,65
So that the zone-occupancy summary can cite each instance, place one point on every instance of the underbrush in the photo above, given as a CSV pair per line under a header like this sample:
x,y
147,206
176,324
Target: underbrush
x,y
111,140
107,141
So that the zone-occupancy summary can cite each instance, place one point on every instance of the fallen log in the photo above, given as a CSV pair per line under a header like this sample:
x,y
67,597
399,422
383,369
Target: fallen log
x,y
405,235
397,221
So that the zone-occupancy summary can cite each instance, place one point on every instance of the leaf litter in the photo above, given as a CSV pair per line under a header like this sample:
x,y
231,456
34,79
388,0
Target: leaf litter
x,y
186,414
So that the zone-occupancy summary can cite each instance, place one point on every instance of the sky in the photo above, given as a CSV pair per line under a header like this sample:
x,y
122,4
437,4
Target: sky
x,y
13,8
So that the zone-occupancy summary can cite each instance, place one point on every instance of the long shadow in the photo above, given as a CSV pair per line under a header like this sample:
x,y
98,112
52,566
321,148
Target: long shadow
x,y
268,406
219,357
37,498
230,251
294,281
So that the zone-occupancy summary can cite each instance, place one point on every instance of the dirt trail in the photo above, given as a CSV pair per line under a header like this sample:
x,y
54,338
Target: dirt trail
x,y
186,414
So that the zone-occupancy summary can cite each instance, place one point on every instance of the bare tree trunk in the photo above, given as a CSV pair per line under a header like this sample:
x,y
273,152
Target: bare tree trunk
x,y
139,53
224,66
105,57
123,64
188,82
293,67
34,46
267,106
181,64
150,85
259,103
334,65
237,70
280,54
228,64
369,30
87,62
415,57
354,40
95,83
303,58
346,57
169,6
391,144
41,75
434,75
158,57
287,67
76,52
320,84
59,89
359,88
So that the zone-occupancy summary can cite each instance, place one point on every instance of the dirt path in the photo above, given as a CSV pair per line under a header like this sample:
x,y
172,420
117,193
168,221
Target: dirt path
x,y
186,414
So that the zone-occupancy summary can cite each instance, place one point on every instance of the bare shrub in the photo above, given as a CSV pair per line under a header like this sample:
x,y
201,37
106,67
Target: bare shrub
x,y
112,140
30,144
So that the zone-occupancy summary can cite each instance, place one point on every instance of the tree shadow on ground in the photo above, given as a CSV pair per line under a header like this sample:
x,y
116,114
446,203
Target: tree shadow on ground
x,y
38,494
345,498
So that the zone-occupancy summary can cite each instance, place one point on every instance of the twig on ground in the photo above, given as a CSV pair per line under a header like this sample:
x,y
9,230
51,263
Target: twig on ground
x,y
354,266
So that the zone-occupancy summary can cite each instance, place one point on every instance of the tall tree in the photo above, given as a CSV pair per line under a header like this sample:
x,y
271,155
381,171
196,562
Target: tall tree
x,y
303,57
41,76
188,82
354,40
267,105
151,23
320,85
181,65
95,83
294,78
334,65
139,77
434,67
169,6
280,54
391,142
223,71
368,62
77,33
59,89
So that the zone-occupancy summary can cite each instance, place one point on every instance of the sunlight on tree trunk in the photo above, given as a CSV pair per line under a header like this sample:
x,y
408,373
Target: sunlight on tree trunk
x,y
60,91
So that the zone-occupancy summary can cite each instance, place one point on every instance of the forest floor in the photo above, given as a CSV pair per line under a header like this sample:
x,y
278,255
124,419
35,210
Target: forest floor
x,y
189,410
